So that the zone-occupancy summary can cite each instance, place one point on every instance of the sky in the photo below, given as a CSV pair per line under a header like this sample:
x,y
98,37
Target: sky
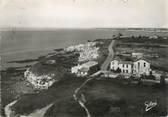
x,y
83,13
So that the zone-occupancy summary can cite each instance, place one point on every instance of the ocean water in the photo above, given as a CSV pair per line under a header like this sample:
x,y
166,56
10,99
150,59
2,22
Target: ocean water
x,y
20,45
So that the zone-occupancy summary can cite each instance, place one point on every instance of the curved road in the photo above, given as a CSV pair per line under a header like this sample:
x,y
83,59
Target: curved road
x,y
76,98
104,67
110,57
38,113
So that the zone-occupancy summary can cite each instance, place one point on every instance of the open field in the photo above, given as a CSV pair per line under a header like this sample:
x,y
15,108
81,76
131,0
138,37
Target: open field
x,y
105,98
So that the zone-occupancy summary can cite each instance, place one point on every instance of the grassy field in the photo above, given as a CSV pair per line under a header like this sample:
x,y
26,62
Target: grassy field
x,y
61,90
106,95
104,98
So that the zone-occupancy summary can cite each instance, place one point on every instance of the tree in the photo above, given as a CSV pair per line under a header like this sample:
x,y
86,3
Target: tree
x,y
120,34
114,35
162,80
151,76
139,37
133,37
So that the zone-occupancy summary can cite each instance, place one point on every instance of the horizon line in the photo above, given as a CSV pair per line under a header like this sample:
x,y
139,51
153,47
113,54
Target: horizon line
x,y
55,28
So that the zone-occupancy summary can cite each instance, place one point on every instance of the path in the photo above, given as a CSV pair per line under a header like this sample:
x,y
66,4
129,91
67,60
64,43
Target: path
x,y
8,111
104,67
38,113
110,57
82,102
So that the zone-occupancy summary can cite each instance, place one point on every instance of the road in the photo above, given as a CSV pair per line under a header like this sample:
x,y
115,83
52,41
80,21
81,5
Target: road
x,y
110,57
38,113
104,67
77,97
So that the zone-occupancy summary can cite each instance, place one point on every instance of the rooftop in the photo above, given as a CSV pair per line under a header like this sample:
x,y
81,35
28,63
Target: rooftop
x,y
145,59
125,62
90,63
84,69
130,62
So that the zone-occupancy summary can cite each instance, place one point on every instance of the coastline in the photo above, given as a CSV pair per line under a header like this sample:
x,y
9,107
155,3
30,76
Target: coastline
x,y
15,74
21,59
63,85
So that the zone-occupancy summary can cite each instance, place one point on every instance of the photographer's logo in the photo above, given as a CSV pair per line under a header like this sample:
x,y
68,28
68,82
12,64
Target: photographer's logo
x,y
149,105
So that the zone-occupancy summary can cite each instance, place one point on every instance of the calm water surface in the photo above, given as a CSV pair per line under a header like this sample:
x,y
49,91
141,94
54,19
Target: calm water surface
x,y
19,45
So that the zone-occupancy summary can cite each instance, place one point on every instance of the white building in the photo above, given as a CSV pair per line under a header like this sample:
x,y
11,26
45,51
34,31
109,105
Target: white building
x,y
141,67
153,37
124,66
83,69
138,67
137,55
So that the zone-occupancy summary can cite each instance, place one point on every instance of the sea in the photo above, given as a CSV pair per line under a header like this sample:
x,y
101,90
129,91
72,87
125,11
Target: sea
x,y
24,44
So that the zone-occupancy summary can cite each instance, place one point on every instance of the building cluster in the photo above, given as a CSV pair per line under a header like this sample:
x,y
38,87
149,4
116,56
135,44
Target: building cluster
x,y
157,37
88,54
130,54
137,55
87,51
147,37
85,69
138,67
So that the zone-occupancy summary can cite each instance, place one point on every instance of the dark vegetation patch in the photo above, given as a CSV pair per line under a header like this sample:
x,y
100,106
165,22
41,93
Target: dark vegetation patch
x,y
66,108
59,91
111,97
105,98
146,46
62,64
144,40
